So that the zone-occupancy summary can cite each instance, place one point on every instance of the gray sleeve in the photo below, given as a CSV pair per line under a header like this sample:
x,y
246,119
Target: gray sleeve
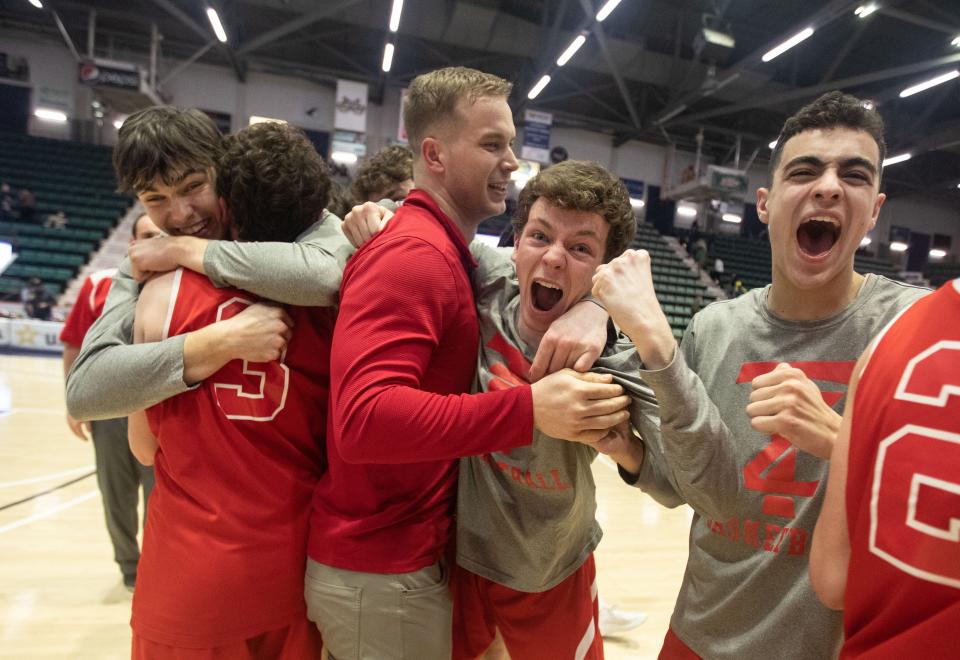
x,y
305,273
655,478
492,264
696,443
111,376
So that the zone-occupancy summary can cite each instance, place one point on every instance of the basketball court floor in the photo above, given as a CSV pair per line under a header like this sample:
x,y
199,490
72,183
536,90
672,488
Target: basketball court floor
x,y
60,591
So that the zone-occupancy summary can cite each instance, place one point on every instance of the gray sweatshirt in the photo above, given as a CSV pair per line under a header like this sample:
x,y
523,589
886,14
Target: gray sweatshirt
x,y
746,593
112,377
526,517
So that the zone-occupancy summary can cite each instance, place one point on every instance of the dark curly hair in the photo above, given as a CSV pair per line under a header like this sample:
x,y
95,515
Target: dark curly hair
x,y
582,185
832,110
381,172
166,143
273,181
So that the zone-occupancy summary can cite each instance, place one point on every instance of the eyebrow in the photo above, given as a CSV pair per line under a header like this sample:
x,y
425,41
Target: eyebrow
x,y
583,232
180,179
853,161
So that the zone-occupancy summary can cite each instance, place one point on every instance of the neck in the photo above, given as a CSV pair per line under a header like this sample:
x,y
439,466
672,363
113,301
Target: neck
x,y
530,337
795,304
446,204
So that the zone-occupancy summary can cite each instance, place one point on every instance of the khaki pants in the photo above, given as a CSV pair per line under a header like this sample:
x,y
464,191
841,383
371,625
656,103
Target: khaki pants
x,y
373,616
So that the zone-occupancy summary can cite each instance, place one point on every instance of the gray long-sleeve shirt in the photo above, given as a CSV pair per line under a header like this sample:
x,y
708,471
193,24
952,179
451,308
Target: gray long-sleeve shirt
x,y
746,593
112,377
526,517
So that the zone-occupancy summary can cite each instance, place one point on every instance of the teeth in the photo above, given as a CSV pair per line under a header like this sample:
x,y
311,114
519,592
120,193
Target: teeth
x,y
547,285
832,221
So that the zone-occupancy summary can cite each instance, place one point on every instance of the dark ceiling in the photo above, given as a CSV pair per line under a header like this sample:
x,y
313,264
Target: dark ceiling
x,y
640,75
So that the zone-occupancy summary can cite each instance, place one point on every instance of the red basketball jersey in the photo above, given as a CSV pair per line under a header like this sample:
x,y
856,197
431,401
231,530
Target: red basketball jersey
x,y
88,306
224,550
903,489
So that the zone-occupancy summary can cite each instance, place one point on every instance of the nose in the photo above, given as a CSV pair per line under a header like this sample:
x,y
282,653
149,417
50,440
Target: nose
x,y
828,186
555,255
510,163
180,210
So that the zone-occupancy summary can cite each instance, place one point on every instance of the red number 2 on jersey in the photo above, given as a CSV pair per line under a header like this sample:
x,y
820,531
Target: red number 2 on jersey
x,y
773,470
915,502
252,391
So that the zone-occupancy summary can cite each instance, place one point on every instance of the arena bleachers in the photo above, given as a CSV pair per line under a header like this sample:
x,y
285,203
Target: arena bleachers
x,y
74,178
678,288
940,274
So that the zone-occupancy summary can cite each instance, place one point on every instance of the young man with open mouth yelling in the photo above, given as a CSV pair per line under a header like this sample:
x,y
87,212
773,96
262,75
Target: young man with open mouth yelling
x,y
746,431
526,526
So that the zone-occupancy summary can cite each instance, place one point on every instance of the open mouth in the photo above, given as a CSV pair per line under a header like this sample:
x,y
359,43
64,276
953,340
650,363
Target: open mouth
x,y
545,295
500,188
817,236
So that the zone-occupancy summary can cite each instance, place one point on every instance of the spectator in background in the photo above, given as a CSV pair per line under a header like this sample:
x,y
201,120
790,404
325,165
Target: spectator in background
x,y
119,475
6,202
37,301
341,200
386,175
27,205
56,220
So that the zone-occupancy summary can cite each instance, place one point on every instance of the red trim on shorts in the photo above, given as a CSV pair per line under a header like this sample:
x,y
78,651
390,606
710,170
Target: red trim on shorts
x,y
675,649
551,624
298,641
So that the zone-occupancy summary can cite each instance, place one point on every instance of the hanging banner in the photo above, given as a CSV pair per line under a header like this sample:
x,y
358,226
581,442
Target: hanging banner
x,y
536,136
351,106
101,73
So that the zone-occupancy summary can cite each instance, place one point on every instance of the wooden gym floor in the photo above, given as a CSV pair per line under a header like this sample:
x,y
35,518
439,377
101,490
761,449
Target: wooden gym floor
x,y
60,591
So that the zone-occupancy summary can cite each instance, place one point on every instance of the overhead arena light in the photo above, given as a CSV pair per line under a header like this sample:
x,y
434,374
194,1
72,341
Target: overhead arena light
x,y
788,44
773,145
865,10
956,41
216,24
36,3
387,57
47,114
893,160
571,49
637,203
731,217
606,10
343,157
937,253
898,246
687,211
543,82
933,82
395,15
866,241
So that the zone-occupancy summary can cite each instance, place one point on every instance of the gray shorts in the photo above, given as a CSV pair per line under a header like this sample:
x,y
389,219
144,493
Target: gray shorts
x,y
374,616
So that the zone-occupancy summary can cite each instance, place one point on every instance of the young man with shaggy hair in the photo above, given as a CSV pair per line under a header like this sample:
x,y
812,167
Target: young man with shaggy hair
x,y
526,526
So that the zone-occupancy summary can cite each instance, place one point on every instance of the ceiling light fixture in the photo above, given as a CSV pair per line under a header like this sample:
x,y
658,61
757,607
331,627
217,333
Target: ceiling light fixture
x,y
933,82
788,44
606,10
865,10
36,3
893,160
956,41
898,246
216,24
687,211
937,253
543,82
387,57
395,15
571,49
343,157
773,145
50,115
866,241
731,217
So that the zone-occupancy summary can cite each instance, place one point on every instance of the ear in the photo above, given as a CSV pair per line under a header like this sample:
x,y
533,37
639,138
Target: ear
x,y
881,198
763,194
431,153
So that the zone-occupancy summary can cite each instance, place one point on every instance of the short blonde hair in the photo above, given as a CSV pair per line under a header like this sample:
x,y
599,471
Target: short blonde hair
x,y
432,98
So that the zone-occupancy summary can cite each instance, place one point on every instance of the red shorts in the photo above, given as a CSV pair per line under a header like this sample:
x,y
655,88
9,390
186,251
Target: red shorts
x,y
675,649
298,641
558,623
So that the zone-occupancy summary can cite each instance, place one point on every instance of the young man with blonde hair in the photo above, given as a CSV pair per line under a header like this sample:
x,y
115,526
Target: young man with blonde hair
x,y
404,360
